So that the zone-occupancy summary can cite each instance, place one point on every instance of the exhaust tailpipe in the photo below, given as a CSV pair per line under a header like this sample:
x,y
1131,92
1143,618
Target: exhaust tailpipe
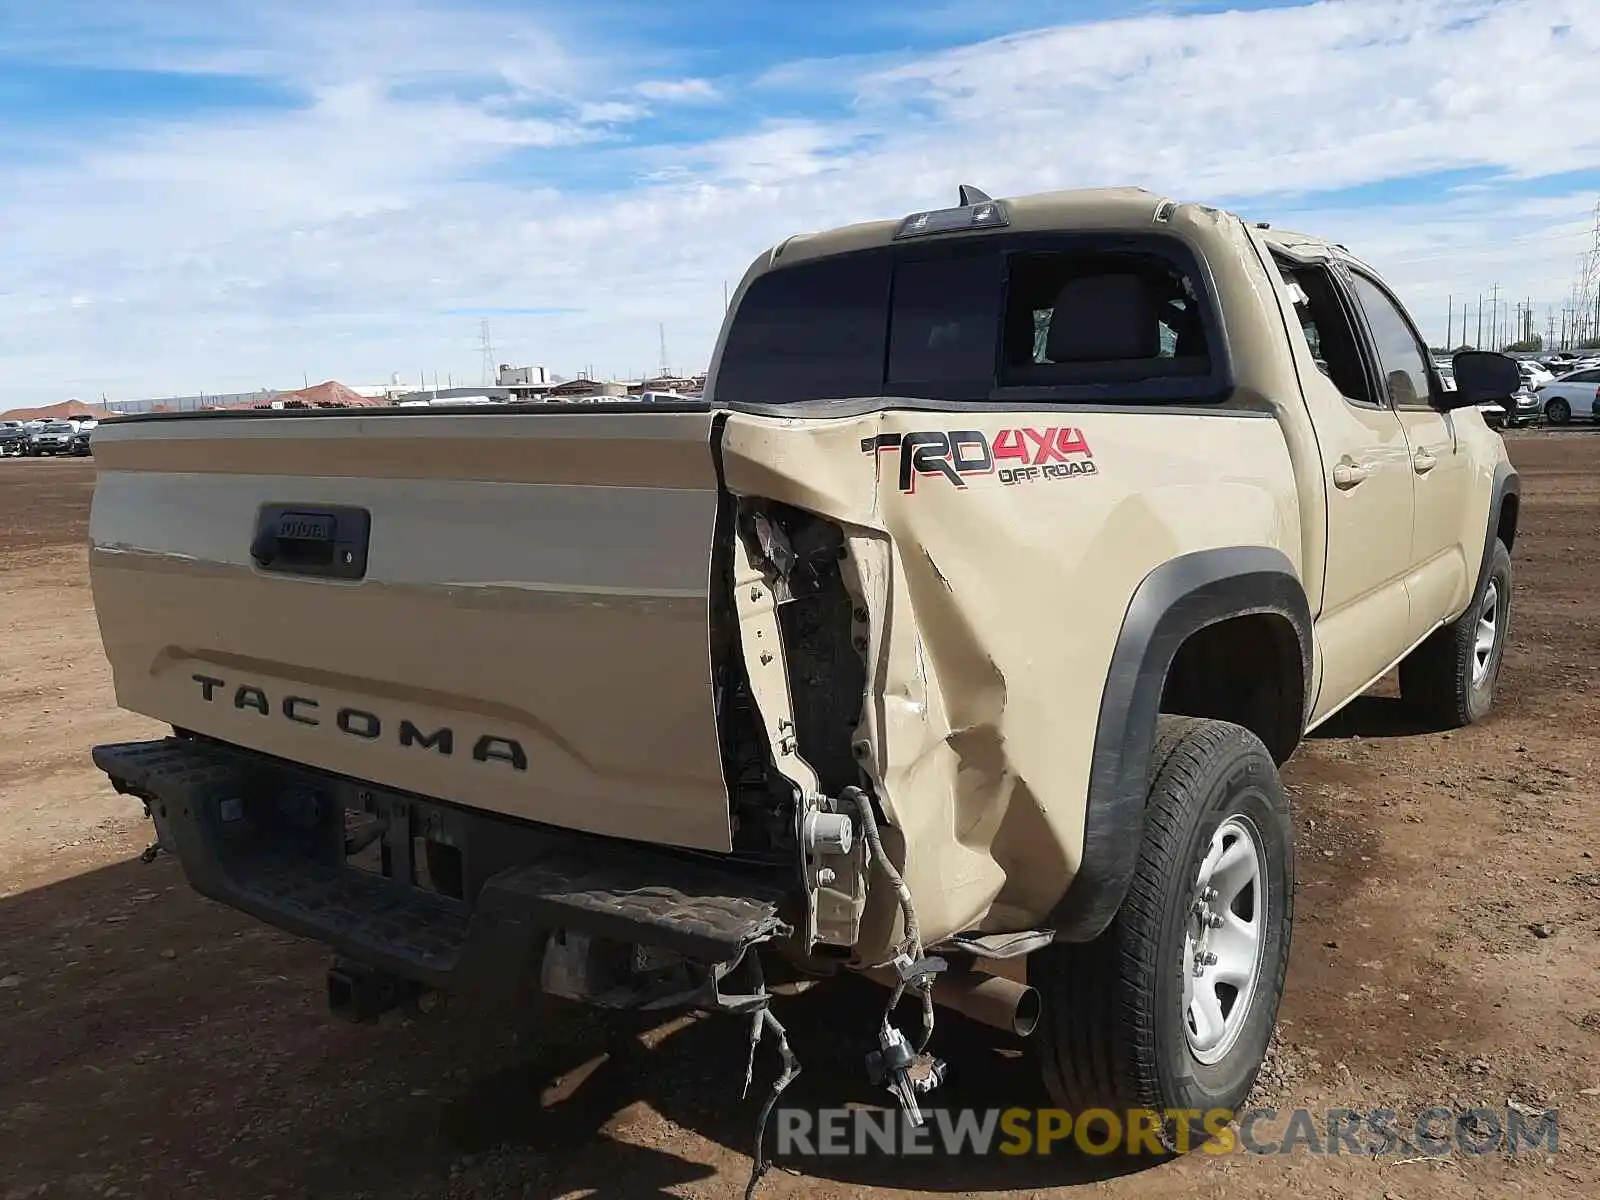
x,y
990,1000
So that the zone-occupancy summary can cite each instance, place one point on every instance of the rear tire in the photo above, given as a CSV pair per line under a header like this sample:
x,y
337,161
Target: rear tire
x,y
1557,411
1450,679
1120,1027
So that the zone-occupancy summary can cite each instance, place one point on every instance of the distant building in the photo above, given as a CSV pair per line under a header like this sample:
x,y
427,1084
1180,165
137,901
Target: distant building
x,y
578,389
380,391
678,385
521,376
455,395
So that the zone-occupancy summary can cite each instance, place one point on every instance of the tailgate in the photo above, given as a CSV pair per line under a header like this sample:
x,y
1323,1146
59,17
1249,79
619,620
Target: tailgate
x,y
529,633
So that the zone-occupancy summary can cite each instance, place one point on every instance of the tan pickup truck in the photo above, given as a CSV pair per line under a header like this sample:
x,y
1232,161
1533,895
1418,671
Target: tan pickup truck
x,y
956,639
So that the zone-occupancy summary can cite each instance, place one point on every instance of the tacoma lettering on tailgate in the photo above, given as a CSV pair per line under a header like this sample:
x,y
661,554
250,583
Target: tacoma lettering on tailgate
x,y
359,722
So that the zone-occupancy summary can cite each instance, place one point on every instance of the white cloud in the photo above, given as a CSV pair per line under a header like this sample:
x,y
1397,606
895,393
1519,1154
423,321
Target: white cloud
x,y
678,90
228,252
1329,95
609,112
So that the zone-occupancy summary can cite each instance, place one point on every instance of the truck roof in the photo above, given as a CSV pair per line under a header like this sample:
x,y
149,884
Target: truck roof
x,y
1306,246
1116,209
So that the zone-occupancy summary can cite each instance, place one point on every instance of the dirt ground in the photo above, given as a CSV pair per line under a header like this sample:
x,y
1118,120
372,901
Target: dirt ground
x,y
1447,951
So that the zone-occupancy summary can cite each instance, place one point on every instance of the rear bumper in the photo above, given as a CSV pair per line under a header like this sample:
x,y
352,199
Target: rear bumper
x,y
271,839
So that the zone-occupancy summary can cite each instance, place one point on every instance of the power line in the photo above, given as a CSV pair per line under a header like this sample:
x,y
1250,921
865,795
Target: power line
x,y
1525,239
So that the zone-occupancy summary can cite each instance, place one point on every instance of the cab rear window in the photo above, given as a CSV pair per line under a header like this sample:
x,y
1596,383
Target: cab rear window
x,y
981,319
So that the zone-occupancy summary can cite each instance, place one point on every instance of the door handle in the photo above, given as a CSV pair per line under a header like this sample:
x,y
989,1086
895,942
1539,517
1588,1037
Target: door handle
x,y
1424,462
1348,474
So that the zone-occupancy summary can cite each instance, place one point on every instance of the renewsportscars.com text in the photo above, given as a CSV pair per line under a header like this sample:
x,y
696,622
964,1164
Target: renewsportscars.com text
x,y
1368,1133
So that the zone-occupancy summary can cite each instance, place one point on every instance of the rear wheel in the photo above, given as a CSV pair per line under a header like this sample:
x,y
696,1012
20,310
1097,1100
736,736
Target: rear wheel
x,y
1450,679
1557,411
1173,1006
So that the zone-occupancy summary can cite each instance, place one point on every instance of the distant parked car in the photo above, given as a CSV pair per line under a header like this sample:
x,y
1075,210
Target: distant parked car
x,y
1571,397
52,438
13,439
1526,409
1534,373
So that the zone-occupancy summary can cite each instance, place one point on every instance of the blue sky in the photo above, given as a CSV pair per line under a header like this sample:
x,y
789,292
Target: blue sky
x,y
227,195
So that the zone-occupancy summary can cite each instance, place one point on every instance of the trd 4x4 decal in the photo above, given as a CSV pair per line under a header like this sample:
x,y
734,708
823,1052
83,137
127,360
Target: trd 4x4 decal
x,y
1014,456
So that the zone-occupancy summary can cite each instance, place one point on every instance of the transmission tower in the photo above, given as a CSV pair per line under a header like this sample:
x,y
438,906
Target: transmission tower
x,y
486,348
1591,279
662,330
1584,303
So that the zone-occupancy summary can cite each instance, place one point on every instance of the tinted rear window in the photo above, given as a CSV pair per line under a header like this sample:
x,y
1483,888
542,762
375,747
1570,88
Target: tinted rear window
x,y
993,318
818,331
943,335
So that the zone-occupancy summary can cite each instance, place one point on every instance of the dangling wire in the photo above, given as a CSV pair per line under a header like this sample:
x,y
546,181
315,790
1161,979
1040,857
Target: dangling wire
x,y
759,1163
912,946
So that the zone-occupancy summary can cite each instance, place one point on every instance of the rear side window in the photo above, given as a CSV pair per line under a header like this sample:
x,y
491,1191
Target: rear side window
x,y
1100,318
992,318
942,332
816,331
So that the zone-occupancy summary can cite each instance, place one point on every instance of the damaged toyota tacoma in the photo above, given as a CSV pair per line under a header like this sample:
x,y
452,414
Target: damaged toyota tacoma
x,y
955,639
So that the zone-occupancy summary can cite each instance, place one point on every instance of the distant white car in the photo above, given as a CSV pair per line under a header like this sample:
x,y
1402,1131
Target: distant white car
x,y
1533,374
1571,397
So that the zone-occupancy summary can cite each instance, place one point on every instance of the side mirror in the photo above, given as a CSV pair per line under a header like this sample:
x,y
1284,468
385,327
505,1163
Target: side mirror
x,y
1484,377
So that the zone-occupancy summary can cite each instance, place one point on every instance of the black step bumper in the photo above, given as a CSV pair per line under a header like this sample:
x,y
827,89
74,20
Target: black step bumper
x,y
270,838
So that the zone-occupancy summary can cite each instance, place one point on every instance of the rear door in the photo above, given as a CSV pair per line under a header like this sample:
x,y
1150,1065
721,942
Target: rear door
x,y
1365,614
1442,571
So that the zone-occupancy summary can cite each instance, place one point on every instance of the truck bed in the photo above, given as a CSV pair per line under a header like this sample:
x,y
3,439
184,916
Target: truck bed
x,y
353,591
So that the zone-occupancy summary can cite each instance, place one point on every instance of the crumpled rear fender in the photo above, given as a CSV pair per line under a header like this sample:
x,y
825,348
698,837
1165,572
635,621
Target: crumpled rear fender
x,y
997,554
